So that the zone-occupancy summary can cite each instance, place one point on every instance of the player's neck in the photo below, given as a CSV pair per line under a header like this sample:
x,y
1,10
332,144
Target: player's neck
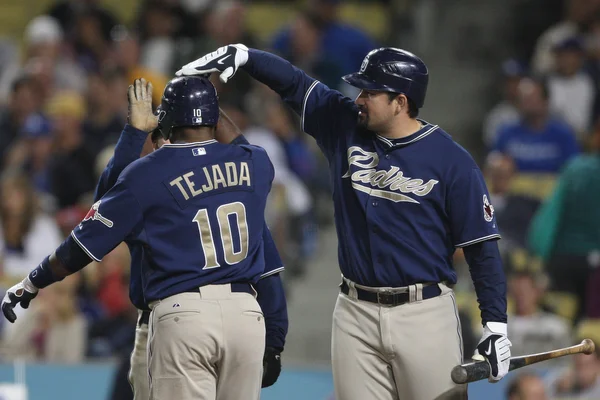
x,y
402,129
193,135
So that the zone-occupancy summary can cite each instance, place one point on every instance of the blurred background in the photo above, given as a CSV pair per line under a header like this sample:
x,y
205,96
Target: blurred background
x,y
516,82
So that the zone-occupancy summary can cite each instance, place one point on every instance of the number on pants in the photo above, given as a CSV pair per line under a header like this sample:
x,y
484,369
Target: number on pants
x,y
208,244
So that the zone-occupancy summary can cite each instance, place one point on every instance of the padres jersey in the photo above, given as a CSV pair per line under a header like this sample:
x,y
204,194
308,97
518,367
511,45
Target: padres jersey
x,y
402,206
197,210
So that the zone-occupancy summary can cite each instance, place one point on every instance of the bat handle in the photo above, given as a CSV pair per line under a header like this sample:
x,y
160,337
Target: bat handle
x,y
476,371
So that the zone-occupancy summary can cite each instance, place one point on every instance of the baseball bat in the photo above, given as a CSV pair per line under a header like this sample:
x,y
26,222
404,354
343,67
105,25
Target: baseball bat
x,y
478,370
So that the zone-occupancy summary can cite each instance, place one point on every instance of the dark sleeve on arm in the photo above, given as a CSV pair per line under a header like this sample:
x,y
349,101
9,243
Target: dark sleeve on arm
x,y
72,256
488,277
280,75
128,149
271,298
325,114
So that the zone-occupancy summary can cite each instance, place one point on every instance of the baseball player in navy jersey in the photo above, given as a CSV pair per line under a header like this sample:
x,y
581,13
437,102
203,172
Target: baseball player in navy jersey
x,y
405,196
207,335
128,149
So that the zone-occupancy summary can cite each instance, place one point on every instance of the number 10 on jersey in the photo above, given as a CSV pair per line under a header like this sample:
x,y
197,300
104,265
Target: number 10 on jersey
x,y
206,236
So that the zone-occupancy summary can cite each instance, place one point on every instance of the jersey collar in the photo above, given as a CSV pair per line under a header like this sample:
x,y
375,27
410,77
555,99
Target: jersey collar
x,y
418,135
194,144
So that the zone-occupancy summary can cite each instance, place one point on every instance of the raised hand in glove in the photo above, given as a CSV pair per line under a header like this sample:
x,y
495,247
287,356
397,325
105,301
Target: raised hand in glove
x,y
271,366
141,116
226,60
494,347
22,293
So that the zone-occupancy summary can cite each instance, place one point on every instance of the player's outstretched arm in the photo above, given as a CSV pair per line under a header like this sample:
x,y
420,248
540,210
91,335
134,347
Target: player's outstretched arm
x,y
66,260
320,108
141,121
290,82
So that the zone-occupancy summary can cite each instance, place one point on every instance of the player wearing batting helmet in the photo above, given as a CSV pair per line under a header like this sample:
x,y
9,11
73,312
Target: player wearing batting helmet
x,y
176,267
406,196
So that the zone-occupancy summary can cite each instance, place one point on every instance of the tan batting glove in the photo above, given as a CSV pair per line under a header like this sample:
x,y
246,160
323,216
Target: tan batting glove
x,y
140,115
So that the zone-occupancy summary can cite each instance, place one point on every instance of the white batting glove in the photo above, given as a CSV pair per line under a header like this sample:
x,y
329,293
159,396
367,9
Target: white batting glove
x,y
22,293
494,347
226,60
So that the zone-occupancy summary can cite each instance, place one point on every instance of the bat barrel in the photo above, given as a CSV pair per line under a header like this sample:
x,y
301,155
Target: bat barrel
x,y
588,346
470,372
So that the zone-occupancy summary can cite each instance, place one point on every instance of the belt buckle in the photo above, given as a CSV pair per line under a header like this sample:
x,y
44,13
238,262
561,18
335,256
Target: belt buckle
x,y
385,298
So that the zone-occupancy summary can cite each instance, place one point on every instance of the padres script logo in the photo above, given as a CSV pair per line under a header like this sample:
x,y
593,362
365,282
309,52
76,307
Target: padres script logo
x,y
392,179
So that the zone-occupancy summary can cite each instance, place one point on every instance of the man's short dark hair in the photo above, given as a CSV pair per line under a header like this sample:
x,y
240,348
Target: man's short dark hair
x,y
413,110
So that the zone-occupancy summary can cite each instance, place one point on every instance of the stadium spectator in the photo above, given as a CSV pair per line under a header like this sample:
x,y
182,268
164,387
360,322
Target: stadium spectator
x,y
22,103
579,15
564,231
571,89
513,211
532,330
579,382
505,112
72,163
44,44
526,386
538,143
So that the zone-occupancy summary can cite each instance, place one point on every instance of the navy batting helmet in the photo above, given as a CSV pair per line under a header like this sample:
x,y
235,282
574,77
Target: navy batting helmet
x,y
187,101
392,70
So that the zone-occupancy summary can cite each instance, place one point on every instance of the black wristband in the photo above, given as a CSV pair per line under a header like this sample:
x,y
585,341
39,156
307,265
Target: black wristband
x,y
42,276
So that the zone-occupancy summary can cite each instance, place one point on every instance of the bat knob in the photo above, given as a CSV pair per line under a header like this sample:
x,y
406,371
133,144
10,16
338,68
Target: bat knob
x,y
459,375
588,346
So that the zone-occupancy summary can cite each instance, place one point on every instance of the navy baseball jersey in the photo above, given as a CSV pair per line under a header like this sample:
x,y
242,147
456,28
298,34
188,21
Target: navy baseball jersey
x,y
402,206
197,209
128,150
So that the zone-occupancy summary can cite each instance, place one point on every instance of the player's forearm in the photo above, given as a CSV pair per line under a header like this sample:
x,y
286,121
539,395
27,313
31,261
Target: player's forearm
x,y
128,149
488,277
280,75
68,258
271,298
227,131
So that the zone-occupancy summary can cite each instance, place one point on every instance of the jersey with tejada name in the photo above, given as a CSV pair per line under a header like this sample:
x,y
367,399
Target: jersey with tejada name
x,y
197,209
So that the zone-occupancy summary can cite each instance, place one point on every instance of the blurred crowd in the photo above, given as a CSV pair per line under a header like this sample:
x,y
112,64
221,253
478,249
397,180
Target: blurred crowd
x,y
543,172
63,105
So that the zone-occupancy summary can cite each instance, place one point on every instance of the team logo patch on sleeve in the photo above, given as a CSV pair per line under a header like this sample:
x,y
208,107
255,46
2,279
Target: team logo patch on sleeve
x,y
488,209
94,215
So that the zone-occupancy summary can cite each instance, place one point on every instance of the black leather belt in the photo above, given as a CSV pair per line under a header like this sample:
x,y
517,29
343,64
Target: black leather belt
x,y
145,318
389,298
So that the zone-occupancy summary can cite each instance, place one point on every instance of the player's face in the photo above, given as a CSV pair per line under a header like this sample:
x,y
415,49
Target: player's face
x,y
376,110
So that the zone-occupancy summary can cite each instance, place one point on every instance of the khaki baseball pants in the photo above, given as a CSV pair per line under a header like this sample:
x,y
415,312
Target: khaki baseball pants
x,y
396,353
138,371
205,346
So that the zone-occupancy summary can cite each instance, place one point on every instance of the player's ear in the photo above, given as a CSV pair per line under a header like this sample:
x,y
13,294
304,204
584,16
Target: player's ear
x,y
400,103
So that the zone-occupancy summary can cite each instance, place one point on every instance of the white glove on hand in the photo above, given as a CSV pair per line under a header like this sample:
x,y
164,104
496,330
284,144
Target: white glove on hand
x,y
22,293
494,346
226,60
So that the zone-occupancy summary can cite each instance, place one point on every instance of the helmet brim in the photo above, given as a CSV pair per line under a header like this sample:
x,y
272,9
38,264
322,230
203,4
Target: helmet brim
x,y
360,81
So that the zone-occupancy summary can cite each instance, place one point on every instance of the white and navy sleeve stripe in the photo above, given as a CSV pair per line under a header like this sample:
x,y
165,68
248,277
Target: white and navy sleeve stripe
x,y
89,253
304,104
272,272
481,239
